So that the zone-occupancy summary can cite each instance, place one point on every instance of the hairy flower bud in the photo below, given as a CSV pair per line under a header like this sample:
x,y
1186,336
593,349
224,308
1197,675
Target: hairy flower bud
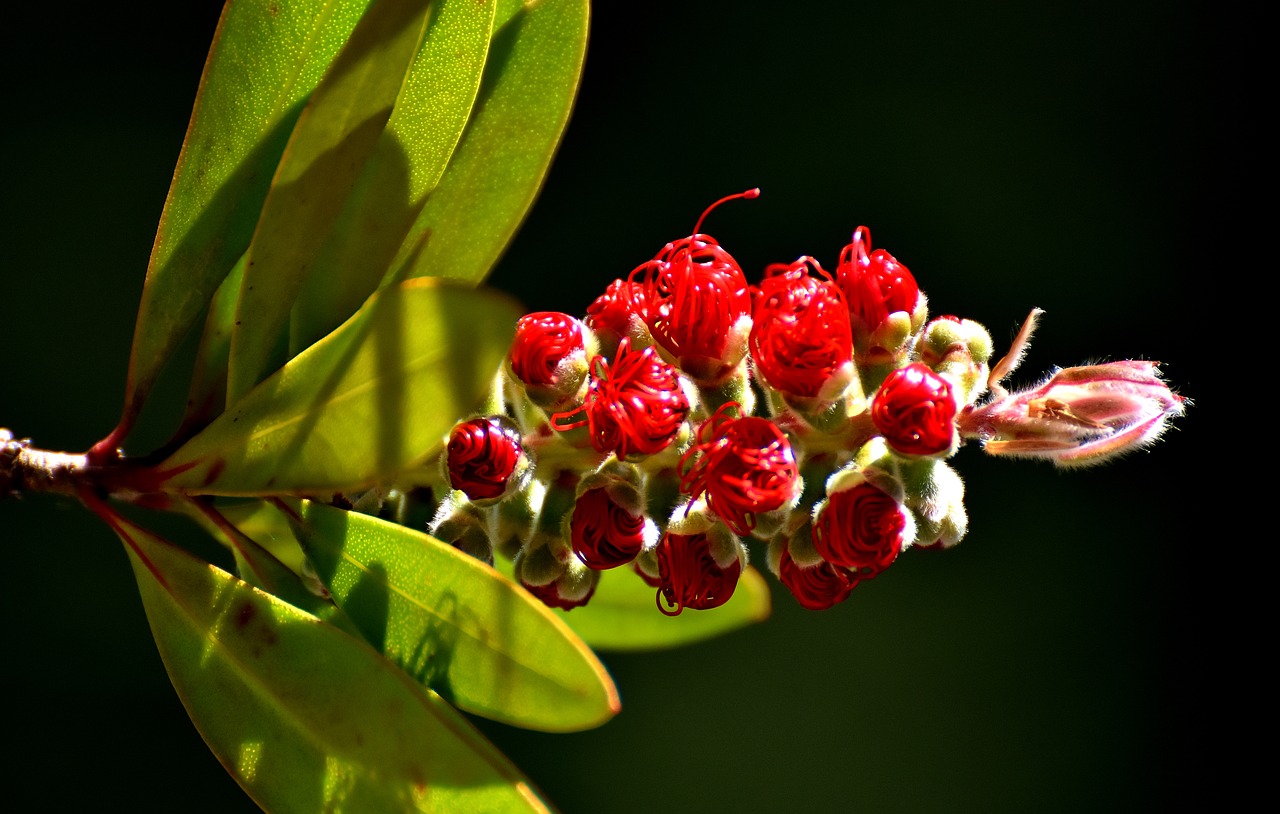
x,y
549,357
485,460
816,587
1079,416
915,412
958,350
613,316
744,467
861,528
885,303
605,534
572,585
801,344
695,301
698,570
634,407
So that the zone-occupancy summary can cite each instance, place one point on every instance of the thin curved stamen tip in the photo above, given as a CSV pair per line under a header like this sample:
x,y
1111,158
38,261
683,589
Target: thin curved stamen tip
x,y
754,192
677,606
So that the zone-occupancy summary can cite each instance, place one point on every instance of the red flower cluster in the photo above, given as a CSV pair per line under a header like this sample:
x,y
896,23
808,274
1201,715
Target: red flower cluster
x,y
861,398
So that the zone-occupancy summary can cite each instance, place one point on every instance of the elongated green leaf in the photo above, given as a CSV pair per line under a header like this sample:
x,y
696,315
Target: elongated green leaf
x,y
373,398
208,389
623,613
526,96
405,166
265,59
327,151
305,717
458,625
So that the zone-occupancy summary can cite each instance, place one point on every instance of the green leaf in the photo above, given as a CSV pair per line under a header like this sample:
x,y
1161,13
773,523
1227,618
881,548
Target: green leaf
x,y
265,59
623,614
526,96
305,717
330,144
457,624
207,392
403,169
375,397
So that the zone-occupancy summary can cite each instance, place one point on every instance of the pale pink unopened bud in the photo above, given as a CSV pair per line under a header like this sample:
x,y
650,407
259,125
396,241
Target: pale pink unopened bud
x,y
1080,416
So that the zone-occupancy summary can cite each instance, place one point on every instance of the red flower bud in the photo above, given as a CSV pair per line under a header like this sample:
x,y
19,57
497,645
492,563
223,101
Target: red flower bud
x,y
634,407
861,529
544,340
874,285
696,302
915,411
603,534
817,587
481,457
744,466
800,336
691,577
611,314
552,594
1079,416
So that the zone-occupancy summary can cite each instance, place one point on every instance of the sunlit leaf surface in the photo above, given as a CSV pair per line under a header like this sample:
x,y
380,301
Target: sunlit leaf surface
x,y
457,624
265,60
376,396
623,613
530,83
305,717
327,151
403,169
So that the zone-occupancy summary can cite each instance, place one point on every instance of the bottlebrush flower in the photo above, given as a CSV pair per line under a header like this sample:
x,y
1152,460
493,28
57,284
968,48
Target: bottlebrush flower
x,y
692,576
1079,416
816,587
604,534
634,407
860,528
484,458
800,340
876,288
744,466
696,303
915,412
549,356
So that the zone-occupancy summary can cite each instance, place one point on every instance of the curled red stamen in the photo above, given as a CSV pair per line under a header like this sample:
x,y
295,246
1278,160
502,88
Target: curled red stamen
x,y
690,576
633,407
743,465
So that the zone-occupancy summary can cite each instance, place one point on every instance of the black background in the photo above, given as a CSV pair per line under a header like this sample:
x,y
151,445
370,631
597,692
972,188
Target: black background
x,y
1085,648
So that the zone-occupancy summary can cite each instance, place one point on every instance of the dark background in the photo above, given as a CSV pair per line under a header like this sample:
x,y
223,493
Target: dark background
x,y
1085,647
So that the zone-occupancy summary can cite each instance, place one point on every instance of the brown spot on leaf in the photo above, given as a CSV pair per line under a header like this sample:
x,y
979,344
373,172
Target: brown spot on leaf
x,y
215,469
